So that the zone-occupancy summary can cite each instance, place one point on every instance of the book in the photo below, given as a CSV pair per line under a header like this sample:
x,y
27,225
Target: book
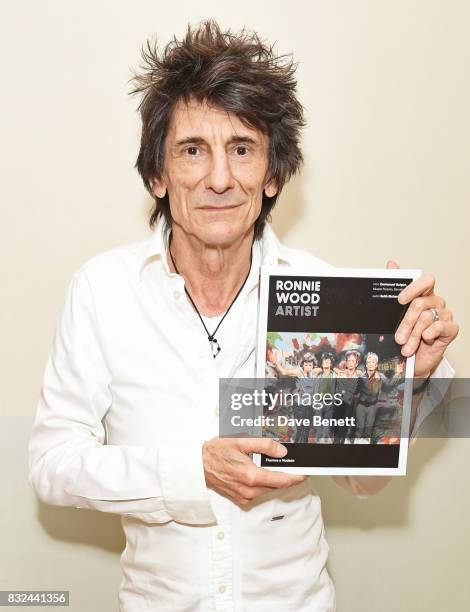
x,y
337,389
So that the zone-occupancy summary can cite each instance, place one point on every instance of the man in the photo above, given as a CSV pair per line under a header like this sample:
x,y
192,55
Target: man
x,y
127,421
347,384
369,388
327,385
307,384
304,371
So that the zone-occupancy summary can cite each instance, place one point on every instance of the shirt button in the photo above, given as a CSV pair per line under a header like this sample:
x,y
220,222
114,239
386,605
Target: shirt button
x,y
221,535
222,588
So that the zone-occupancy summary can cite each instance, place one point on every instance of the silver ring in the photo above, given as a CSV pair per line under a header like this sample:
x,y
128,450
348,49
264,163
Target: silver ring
x,y
435,313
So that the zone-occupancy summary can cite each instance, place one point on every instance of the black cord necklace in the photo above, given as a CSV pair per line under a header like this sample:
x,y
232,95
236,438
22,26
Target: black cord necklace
x,y
215,346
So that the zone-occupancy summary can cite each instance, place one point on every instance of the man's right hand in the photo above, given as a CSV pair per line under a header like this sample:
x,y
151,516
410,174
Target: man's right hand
x,y
229,469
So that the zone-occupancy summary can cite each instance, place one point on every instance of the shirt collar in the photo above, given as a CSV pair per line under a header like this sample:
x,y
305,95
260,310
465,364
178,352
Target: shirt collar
x,y
157,245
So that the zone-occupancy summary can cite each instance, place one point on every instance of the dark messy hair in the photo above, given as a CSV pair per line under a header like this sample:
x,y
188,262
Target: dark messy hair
x,y
326,356
234,71
308,357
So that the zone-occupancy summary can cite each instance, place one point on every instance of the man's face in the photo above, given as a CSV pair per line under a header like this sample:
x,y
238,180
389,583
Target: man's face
x,y
371,364
326,364
308,366
215,172
351,362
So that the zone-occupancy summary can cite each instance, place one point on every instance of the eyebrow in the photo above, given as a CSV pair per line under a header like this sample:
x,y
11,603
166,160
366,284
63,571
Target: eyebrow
x,y
199,140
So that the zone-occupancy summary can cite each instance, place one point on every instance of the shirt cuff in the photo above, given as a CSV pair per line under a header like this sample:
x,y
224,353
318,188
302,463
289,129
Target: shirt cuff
x,y
439,382
183,484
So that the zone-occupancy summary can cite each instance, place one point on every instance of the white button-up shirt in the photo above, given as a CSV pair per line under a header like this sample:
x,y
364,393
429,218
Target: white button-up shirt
x,y
130,394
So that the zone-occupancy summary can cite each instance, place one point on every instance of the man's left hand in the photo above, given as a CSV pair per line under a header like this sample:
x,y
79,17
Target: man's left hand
x,y
420,333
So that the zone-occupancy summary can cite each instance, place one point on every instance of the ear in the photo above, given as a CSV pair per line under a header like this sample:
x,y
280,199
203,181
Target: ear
x,y
270,189
159,188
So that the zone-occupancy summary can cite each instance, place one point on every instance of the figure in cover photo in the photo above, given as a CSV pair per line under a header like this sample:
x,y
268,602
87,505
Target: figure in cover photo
x,y
362,374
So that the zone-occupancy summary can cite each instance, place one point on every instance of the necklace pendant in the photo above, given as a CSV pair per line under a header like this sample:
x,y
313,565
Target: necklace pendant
x,y
215,347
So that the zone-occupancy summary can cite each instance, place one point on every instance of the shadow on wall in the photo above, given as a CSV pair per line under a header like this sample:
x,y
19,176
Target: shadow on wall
x,y
100,529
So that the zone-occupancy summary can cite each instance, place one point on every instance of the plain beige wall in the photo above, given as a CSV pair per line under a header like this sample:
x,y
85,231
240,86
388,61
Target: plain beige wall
x,y
385,84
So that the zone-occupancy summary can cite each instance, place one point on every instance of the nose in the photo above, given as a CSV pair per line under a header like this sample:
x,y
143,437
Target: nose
x,y
219,177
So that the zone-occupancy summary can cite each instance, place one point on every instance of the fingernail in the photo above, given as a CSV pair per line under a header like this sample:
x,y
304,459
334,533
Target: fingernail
x,y
282,450
400,337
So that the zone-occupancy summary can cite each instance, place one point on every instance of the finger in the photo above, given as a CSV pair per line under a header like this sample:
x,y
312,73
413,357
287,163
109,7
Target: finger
x,y
260,477
241,494
425,319
246,494
266,446
232,494
230,478
239,468
250,493
424,285
445,331
417,306
392,264
245,489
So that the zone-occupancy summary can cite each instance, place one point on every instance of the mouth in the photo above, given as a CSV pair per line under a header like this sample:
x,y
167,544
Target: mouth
x,y
211,208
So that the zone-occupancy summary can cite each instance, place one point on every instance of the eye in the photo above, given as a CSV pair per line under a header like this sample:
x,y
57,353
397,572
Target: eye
x,y
241,150
192,151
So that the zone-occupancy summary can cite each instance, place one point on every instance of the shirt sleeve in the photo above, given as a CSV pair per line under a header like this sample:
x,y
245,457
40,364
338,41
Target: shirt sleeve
x,y
70,463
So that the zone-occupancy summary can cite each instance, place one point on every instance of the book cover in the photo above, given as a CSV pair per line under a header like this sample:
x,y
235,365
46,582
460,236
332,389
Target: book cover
x,y
338,391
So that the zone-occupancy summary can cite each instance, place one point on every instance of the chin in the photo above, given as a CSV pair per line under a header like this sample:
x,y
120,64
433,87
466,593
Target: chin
x,y
222,232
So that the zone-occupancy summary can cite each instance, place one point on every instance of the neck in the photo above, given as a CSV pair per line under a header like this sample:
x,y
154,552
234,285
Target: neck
x,y
213,274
